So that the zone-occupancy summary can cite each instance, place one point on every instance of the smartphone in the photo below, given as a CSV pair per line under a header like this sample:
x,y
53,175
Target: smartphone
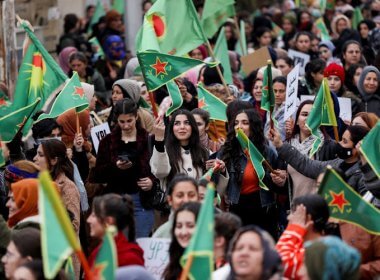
x,y
123,158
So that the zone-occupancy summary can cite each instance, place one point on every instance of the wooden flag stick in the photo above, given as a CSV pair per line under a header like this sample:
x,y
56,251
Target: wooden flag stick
x,y
218,69
153,102
77,122
336,134
266,163
186,269
86,267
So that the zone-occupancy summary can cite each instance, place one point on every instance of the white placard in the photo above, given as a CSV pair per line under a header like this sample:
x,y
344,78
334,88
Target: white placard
x,y
345,110
291,92
98,133
299,58
156,254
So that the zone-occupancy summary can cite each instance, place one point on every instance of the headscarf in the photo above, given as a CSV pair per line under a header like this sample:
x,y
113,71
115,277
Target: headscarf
x,y
14,174
331,258
25,193
364,73
114,48
130,88
63,58
69,127
336,19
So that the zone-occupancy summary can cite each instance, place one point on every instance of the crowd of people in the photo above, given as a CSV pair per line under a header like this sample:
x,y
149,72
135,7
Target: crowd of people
x,y
146,177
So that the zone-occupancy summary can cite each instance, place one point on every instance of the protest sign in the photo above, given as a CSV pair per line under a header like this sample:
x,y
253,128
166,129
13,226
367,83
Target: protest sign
x,y
98,133
156,254
299,58
255,60
291,92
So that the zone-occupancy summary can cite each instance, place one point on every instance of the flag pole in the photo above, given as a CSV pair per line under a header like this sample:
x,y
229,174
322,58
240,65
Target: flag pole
x,y
153,102
266,163
269,62
86,267
186,269
336,134
30,114
77,122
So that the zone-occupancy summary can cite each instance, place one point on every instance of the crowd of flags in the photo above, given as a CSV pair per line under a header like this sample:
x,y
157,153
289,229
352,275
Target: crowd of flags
x,y
170,30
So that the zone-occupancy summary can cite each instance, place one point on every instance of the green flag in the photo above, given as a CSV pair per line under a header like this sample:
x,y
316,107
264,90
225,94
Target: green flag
x,y
170,26
242,42
201,246
254,155
158,68
357,17
39,76
58,239
320,24
119,6
370,148
99,12
346,204
212,104
175,95
106,259
267,99
221,53
2,159
71,96
322,113
277,29
98,47
4,104
69,269
215,14
10,124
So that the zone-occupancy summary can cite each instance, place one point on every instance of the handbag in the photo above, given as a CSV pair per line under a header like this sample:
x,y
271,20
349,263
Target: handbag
x,y
159,201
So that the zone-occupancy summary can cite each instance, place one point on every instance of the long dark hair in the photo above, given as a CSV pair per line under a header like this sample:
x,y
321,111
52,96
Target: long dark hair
x,y
56,150
296,128
173,146
173,269
314,66
120,208
232,149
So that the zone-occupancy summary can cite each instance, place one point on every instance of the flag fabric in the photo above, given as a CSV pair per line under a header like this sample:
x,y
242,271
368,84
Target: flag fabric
x,y
357,17
208,175
106,259
242,42
212,104
99,12
277,30
10,124
215,13
4,104
119,6
267,99
170,26
254,156
71,96
98,47
323,5
201,246
176,97
322,113
158,68
39,76
370,148
346,204
2,159
58,239
221,53
69,269
324,32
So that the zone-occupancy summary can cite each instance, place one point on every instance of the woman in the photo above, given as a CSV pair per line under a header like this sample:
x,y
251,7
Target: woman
x,y
253,256
285,64
51,155
25,246
365,28
180,190
302,140
244,194
369,89
351,53
126,88
123,164
309,85
262,37
202,119
279,90
180,151
303,44
289,26
368,120
338,24
184,223
352,77
256,98
79,63
335,78
326,49
116,210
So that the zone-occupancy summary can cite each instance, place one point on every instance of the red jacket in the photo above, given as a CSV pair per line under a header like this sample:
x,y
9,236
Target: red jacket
x,y
128,253
290,247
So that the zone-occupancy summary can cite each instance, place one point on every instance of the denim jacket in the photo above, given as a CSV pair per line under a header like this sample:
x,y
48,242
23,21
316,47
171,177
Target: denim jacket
x,y
236,176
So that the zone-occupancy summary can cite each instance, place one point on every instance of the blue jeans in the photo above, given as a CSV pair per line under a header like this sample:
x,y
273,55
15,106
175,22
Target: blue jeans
x,y
144,218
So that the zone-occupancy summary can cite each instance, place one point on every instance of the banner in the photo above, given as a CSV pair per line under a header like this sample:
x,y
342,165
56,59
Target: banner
x,y
98,133
291,92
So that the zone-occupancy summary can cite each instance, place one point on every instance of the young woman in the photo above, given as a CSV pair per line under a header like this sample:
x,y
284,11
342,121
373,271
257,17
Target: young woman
x,y
303,44
51,155
123,164
244,194
325,50
289,27
253,256
262,37
180,190
338,24
285,64
369,88
279,89
202,119
179,151
184,223
116,210
351,53
256,98
309,85
25,245
368,120
352,77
